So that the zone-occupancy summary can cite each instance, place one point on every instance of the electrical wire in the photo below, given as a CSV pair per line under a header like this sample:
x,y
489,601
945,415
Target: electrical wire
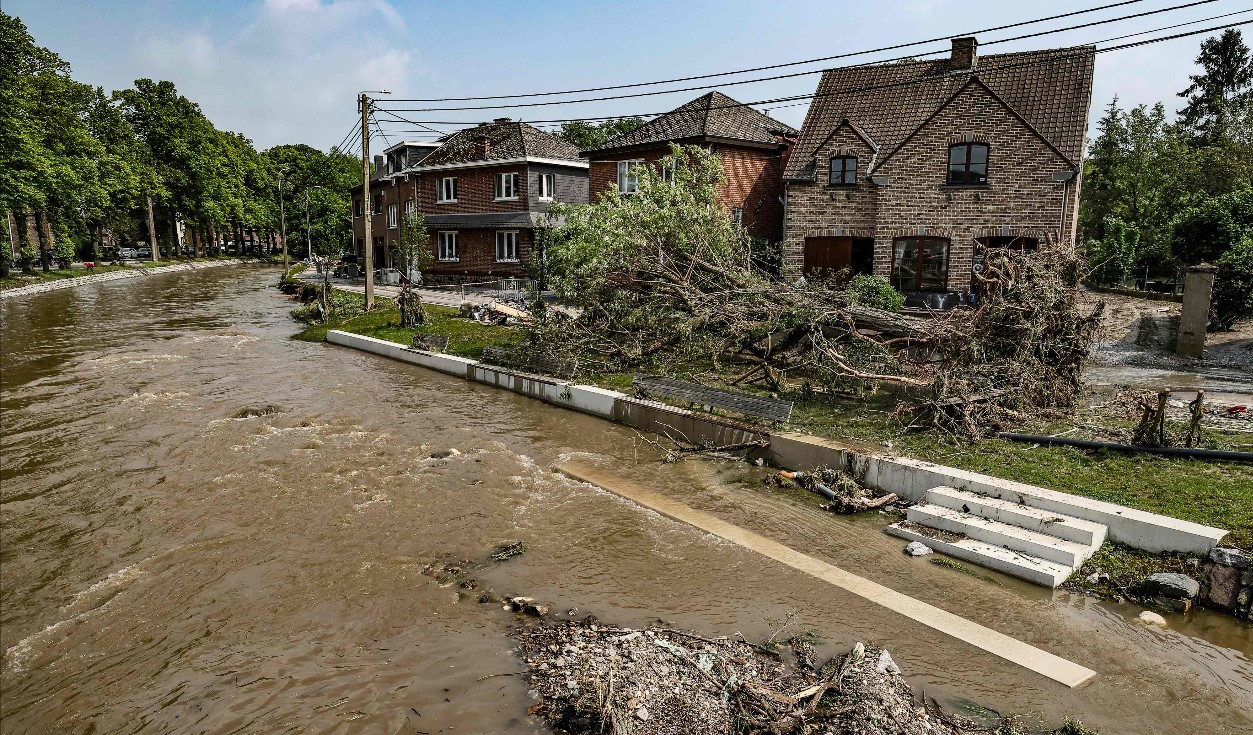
x,y
771,66
791,75
864,88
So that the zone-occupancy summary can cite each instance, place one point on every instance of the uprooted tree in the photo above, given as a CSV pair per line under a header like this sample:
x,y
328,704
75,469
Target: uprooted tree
x,y
412,253
664,280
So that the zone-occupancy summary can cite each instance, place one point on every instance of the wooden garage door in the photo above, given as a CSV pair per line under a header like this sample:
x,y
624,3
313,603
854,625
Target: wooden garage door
x,y
829,254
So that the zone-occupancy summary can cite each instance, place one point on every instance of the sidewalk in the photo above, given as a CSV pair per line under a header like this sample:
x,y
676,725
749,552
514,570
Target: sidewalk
x,y
437,296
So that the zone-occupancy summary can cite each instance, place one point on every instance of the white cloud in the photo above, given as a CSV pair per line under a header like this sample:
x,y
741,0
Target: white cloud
x,y
291,73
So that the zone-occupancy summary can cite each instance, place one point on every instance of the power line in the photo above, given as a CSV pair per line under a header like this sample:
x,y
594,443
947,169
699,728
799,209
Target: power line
x,y
867,88
356,129
771,66
792,74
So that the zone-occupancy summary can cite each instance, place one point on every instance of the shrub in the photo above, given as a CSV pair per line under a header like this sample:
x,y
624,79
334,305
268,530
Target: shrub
x,y
1204,232
1233,285
876,292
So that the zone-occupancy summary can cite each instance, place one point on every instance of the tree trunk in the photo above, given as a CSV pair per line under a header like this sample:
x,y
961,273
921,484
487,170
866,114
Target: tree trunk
x,y
152,232
25,236
44,233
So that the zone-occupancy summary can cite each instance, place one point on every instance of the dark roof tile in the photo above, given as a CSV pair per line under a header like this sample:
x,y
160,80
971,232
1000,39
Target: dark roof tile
x,y
712,115
509,140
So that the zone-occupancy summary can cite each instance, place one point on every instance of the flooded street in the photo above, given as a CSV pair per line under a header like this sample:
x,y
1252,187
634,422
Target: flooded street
x,y
177,556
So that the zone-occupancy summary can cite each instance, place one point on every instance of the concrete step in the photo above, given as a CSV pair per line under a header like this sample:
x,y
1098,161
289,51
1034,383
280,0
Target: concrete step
x,y
1016,538
1013,563
1088,533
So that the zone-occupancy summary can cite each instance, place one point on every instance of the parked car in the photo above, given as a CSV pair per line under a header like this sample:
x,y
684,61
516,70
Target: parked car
x,y
143,252
127,253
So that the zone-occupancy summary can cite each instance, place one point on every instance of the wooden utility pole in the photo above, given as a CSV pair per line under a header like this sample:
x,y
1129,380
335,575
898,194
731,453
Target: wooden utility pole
x,y
367,204
152,230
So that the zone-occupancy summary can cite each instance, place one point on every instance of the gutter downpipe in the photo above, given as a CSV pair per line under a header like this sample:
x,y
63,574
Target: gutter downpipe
x,y
1184,452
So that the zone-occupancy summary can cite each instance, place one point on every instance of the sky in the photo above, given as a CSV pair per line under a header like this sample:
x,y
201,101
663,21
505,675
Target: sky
x,y
288,71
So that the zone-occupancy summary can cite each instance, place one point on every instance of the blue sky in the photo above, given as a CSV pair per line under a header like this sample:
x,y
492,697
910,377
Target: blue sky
x,y
283,71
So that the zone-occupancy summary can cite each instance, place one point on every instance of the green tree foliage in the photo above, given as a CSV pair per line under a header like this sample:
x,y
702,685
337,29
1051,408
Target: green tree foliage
x,y
874,291
586,136
1160,193
1221,93
1233,284
413,253
322,180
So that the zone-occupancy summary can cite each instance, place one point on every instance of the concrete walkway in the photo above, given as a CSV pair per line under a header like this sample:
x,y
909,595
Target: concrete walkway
x,y
133,272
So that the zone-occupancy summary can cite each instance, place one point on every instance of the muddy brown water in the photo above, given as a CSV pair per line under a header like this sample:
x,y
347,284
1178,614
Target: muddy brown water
x,y
168,568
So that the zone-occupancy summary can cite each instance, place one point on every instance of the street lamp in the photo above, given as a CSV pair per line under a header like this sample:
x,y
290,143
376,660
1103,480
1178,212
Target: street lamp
x,y
282,216
308,231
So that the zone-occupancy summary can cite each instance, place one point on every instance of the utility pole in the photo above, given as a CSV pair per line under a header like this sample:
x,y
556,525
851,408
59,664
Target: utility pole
x,y
364,101
152,231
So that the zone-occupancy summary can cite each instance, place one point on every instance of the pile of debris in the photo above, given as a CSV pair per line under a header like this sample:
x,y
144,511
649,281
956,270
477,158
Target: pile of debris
x,y
495,312
844,493
592,678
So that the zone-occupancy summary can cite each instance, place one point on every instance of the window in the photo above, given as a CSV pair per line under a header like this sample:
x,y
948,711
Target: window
x,y
378,204
670,170
843,171
409,207
737,215
506,247
968,164
391,216
446,247
446,191
546,186
628,181
356,207
506,186
920,264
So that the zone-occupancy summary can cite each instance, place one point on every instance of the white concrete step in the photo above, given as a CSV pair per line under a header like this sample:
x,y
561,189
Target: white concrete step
x,y
996,533
1088,533
1013,563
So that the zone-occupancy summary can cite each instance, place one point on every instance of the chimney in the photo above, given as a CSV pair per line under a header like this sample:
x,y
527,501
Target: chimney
x,y
483,146
965,54
378,164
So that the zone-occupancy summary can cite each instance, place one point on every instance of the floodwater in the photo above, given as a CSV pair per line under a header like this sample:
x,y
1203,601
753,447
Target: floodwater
x,y
167,567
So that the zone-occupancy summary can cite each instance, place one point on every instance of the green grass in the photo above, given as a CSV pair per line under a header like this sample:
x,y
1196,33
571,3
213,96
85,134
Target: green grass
x,y
1127,568
1213,493
466,338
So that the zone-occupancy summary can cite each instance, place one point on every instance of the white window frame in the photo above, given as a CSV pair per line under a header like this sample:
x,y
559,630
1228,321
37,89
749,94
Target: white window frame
x,y
446,247
547,182
499,186
392,213
508,238
446,190
737,215
410,205
629,182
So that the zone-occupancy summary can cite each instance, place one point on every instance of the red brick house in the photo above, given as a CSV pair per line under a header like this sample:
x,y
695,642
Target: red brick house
x,y
753,148
393,191
484,192
901,169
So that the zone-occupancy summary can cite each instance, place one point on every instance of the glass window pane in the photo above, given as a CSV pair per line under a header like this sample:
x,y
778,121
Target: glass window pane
x,y
850,175
957,154
978,154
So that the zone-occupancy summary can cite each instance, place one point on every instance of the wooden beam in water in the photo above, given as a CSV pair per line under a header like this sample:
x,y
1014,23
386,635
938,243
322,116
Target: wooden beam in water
x,y
1011,649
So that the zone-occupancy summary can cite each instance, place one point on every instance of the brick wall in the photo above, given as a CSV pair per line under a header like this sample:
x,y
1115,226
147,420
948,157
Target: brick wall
x,y
476,249
1020,197
475,190
754,183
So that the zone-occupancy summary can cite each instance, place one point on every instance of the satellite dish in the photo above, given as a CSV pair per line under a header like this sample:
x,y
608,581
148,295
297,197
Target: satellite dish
x,y
978,268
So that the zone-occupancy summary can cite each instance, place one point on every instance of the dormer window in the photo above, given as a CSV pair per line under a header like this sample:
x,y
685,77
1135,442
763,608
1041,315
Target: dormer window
x,y
843,171
968,164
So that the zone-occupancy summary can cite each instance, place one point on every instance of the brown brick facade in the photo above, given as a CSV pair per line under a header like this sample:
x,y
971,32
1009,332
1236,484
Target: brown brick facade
x,y
475,190
754,183
476,252
1020,197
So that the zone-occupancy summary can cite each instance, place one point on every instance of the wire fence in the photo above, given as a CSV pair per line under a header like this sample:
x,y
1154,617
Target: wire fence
x,y
1153,279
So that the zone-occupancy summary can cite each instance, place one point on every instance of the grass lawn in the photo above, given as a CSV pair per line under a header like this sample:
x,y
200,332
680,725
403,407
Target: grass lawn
x,y
465,338
1213,493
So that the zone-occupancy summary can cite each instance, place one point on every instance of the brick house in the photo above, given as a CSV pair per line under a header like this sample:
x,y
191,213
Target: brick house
x,y
393,191
753,148
484,192
901,169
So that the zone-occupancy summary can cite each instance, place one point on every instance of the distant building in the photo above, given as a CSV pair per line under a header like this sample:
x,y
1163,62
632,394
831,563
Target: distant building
x,y
753,147
902,168
393,193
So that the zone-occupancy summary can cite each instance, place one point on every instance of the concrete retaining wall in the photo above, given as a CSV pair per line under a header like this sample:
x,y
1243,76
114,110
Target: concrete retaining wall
x,y
137,272
908,478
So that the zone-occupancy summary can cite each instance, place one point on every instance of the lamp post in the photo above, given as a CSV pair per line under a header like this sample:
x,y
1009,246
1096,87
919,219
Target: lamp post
x,y
282,217
308,230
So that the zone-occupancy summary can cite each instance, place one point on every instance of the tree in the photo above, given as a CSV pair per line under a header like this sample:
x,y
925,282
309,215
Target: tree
x,y
1222,91
586,136
1233,284
1202,233
412,253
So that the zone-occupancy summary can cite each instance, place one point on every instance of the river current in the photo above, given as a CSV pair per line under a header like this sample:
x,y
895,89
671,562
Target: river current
x,y
208,527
